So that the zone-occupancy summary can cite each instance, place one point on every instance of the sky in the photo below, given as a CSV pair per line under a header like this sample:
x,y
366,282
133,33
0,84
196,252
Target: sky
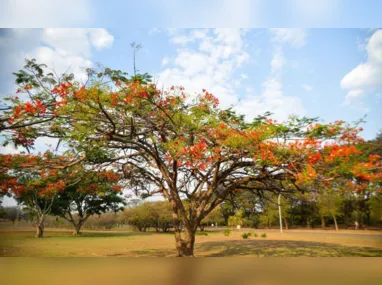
x,y
315,72
328,73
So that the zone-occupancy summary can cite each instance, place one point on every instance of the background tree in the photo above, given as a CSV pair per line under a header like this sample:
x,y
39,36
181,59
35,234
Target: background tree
x,y
269,214
12,214
34,181
161,216
237,219
106,221
375,204
214,217
140,217
330,204
90,193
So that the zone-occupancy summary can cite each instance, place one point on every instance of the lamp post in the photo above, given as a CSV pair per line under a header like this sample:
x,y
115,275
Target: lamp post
x,y
281,221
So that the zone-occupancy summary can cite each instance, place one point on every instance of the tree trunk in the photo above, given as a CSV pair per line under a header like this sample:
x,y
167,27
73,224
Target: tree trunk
x,y
286,223
335,222
185,246
40,229
308,224
322,222
77,229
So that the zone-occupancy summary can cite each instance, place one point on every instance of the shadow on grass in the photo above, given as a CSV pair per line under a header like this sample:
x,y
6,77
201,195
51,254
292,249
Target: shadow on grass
x,y
282,248
147,253
113,234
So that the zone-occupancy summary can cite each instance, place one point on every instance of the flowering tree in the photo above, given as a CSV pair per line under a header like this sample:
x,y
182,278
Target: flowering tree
x,y
169,142
51,184
90,193
36,188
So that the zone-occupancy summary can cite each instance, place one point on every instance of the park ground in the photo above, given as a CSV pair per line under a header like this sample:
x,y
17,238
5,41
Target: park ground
x,y
19,241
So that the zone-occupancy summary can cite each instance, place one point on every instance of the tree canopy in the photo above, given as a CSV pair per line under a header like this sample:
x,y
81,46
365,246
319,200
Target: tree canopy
x,y
180,145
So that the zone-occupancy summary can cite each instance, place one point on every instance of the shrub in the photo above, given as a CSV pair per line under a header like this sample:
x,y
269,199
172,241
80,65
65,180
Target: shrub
x,y
105,221
249,234
201,233
255,234
227,232
264,235
244,236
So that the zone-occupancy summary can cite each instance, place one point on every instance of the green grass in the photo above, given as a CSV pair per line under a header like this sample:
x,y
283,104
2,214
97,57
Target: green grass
x,y
17,242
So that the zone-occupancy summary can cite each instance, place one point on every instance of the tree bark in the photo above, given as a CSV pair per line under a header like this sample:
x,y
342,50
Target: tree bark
x,y
185,246
322,222
77,229
40,228
308,223
286,223
335,222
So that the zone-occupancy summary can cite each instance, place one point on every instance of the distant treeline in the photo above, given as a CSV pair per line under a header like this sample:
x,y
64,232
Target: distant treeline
x,y
310,210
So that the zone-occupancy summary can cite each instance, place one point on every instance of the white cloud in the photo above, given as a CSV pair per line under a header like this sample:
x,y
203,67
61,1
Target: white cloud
x,y
74,41
278,61
44,13
181,40
209,64
273,100
10,149
294,37
367,76
272,97
78,41
192,62
165,61
307,87
61,61
61,49
101,38
354,95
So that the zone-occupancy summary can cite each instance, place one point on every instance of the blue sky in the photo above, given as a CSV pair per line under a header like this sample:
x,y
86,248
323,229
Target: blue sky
x,y
330,73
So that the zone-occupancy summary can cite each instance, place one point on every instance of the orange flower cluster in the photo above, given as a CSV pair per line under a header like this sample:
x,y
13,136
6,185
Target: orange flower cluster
x,y
109,175
196,151
340,151
52,188
62,90
114,99
314,158
16,113
7,184
308,175
208,98
116,188
34,108
80,94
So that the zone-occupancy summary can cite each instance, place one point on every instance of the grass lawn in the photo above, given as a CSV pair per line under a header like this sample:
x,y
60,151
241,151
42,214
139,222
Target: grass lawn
x,y
20,241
